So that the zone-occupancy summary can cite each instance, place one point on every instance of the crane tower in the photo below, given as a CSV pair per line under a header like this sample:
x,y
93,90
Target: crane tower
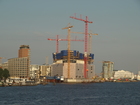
x,y
86,41
58,39
69,29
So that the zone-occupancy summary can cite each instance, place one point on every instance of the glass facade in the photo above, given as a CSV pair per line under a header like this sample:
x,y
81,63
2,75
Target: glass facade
x,y
107,69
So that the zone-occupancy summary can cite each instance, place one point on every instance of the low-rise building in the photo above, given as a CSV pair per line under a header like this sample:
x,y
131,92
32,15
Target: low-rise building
x,y
122,74
34,71
4,65
44,70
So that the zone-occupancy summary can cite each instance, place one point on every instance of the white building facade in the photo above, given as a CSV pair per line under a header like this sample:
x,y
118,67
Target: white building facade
x,y
121,74
34,71
76,70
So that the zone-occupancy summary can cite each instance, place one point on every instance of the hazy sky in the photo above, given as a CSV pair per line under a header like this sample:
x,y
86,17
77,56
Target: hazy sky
x,y
31,22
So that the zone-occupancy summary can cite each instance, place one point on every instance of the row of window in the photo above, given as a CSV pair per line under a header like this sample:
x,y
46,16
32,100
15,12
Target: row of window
x,y
20,74
18,63
18,69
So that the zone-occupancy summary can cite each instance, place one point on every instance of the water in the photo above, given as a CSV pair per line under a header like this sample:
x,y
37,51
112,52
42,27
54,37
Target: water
x,y
107,93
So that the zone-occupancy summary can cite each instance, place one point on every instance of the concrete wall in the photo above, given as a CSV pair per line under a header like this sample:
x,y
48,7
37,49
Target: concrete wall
x,y
72,70
91,71
76,70
57,69
79,70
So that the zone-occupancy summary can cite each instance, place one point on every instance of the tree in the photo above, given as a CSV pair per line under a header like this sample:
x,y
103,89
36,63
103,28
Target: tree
x,y
6,74
1,73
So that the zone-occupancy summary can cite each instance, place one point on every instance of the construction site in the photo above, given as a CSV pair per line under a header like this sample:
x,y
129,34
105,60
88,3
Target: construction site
x,y
72,65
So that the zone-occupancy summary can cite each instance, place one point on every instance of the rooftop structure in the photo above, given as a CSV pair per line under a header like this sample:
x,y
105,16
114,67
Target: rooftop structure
x,y
24,51
74,57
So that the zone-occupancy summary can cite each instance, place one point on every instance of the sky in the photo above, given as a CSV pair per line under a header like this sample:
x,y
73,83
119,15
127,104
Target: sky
x,y
32,22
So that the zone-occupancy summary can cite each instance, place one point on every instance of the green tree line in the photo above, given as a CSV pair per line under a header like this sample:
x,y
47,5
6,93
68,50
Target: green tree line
x,y
4,74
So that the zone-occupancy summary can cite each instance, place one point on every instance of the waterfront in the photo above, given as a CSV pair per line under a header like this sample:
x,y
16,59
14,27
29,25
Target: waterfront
x,y
108,93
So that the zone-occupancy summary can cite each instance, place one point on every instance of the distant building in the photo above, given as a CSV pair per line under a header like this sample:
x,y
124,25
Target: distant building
x,y
39,71
121,74
44,70
138,76
107,69
19,67
4,65
34,71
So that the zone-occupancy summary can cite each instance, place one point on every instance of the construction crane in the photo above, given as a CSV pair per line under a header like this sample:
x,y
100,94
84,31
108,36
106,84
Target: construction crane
x,y
86,40
89,45
58,39
90,39
57,42
69,30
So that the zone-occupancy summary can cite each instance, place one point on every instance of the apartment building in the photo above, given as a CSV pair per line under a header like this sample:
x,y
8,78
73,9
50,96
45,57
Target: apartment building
x,y
19,67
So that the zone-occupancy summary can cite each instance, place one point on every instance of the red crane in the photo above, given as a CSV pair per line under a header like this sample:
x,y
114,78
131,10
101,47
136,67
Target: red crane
x,y
86,41
57,41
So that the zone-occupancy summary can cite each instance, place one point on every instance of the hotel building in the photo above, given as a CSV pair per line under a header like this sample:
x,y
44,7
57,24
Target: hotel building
x,y
19,67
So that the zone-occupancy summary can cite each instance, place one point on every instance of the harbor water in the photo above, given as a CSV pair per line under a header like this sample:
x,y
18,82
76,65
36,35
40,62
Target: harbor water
x,y
107,93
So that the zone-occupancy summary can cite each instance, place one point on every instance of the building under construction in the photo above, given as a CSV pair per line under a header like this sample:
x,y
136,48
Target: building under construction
x,y
73,64
60,65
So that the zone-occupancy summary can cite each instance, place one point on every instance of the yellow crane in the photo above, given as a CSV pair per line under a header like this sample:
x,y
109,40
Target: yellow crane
x,y
69,31
90,41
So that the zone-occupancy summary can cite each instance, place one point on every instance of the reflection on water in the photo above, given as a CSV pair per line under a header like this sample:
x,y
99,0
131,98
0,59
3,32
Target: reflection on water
x,y
108,93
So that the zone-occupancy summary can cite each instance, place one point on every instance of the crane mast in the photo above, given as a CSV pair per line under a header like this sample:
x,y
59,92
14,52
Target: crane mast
x,y
90,38
86,41
58,39
89,44
69,29
90,41
57,42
